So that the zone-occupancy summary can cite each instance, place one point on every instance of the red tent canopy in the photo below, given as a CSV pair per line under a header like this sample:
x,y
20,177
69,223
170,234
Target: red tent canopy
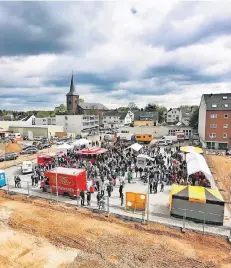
x,y
93,150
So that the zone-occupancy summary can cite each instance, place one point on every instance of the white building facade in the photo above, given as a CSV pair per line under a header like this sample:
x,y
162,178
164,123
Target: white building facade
x,y
129,118
173,115
78,123
45,121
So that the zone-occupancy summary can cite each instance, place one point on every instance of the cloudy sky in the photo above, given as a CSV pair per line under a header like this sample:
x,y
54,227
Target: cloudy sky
x,y
167,53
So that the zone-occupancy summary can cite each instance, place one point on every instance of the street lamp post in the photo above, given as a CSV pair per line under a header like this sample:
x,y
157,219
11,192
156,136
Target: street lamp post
x,y
148,201
56,180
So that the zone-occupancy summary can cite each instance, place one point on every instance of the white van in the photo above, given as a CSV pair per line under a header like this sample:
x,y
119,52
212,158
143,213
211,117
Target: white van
x,y
14,135
162,143
27,167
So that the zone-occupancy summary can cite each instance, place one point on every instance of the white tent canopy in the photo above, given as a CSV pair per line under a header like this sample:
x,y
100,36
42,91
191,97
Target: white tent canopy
x,y
145,156
196,163
136,147
64,147
81,142
142,160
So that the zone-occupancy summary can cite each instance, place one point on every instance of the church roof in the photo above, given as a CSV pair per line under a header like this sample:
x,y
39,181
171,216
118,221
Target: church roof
x,y
72,91
92,106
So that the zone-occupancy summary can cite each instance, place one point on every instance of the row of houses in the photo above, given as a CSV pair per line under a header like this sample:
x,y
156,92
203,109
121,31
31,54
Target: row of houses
x,y
182,115
134,118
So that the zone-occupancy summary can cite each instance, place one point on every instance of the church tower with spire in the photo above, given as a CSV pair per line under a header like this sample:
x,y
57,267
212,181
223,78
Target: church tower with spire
x,y
72,99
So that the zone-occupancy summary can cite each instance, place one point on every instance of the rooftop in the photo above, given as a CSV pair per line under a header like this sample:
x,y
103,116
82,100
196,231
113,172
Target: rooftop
x,y
92,106
217,102
69,171
146,116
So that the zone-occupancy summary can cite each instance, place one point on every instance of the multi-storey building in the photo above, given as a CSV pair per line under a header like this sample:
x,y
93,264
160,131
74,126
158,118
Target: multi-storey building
x,y
173,115
78,123
186,113
215,121
45,121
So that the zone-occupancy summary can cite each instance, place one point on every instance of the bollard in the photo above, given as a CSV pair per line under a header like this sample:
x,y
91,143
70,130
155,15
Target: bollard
x,y
108,205
28,188
51,193
184,218
204,225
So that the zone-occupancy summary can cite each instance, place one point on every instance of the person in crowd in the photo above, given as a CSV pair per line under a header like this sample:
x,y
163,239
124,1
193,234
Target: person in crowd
x,y
82,196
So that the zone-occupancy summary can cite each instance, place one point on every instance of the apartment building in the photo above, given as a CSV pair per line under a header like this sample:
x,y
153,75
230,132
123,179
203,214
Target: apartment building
x,y
186,113
45,121
214,126
77,123
173,115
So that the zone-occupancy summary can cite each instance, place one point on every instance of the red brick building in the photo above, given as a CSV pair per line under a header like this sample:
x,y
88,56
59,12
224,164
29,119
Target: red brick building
x,y
214,126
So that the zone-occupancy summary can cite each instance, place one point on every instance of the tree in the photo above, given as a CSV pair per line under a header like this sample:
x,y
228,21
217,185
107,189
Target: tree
x,y
61,109
193,121
42,114
132,106
81,100
123,109
161,113
151,107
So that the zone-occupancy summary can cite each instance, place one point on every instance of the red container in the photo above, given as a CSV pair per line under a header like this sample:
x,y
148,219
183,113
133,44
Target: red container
x,y
69,180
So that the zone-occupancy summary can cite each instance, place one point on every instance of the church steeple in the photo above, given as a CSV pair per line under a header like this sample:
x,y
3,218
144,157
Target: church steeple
x,y
72,98
72,91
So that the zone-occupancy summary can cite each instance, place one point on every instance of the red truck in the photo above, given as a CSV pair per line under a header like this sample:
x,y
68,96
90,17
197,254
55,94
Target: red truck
x,y
70,181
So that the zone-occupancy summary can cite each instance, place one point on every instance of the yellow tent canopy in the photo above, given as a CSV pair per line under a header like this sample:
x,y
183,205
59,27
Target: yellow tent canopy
x,y
190,149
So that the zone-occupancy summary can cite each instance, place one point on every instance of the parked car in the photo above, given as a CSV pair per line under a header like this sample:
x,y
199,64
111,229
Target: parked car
x,y
11,156
162,143
2,158
169,142
32,151
196,143
29,150
42,146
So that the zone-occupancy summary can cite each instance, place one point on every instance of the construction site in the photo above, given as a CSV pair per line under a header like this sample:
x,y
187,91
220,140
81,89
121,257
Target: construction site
x,y
36,233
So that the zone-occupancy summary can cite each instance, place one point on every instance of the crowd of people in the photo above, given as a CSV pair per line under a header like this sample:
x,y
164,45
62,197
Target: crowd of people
x,y
109,171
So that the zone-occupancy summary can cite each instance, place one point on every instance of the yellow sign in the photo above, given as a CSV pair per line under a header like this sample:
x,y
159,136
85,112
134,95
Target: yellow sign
x,y
136,201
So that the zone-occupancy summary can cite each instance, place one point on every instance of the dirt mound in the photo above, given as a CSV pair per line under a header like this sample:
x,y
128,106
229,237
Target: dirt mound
x,y
13,148
101,242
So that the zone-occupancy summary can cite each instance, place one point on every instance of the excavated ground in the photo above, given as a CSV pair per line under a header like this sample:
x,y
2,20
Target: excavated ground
x,y
35,233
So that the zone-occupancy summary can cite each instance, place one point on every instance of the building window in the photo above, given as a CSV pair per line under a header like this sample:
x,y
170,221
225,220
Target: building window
x,y
224,135
213,125
213,116
212,135
214,105
225,126
224,97
225,116
226,105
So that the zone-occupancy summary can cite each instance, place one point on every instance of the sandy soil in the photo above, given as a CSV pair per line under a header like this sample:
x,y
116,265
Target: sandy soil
x,y
221,169
35,233
21,158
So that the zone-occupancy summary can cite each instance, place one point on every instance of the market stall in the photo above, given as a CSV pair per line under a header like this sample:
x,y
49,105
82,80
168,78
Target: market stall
x,y
81,143
197,204
191,149
64,148
142,160
91,153
135,147
196,163
45,159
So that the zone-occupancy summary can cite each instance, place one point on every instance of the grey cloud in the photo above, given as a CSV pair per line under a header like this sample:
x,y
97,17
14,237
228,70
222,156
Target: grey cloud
x,y
29,30
171,38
